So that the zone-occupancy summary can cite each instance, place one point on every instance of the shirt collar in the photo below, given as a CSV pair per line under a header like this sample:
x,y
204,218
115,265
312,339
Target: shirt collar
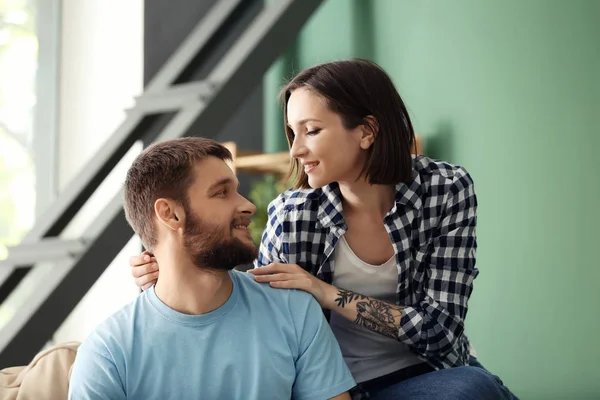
x,y
330,202
330,206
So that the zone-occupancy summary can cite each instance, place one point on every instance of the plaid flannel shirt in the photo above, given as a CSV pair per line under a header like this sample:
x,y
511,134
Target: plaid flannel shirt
x,y
432,228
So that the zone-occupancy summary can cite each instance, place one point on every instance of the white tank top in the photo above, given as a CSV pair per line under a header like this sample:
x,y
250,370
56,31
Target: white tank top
x,y
368,354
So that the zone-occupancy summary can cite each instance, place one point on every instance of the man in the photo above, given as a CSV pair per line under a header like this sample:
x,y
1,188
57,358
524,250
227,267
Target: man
x,y
205,330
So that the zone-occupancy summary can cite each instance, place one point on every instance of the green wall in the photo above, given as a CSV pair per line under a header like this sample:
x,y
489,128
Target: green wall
x,y
510,90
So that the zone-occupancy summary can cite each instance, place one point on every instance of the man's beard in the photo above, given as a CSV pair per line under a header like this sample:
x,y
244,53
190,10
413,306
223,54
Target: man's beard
x,y
213,247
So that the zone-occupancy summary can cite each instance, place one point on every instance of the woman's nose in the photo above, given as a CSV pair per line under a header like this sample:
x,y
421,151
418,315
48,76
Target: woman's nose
x,y
297,148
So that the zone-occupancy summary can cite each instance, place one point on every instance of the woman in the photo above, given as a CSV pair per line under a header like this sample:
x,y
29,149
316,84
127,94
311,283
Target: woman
x,y
384,241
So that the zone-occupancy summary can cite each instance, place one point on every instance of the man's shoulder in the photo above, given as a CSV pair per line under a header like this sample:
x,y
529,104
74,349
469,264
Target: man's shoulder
x,y
103,357
116,329
279,298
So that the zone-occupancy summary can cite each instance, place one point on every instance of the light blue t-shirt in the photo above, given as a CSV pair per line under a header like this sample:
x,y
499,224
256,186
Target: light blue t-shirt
x,y
262,344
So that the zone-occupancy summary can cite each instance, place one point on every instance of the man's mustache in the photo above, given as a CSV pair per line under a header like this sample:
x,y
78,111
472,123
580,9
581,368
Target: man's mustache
x,y
241,221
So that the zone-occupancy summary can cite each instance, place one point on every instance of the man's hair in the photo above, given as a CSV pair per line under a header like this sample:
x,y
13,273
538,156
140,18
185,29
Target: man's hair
x,y
164,170
355,89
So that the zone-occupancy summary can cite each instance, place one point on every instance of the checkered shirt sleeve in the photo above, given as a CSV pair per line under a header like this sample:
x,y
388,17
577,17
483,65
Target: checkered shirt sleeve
x,y
433,325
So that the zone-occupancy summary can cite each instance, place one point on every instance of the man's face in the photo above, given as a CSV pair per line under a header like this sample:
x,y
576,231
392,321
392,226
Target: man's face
x,y
216,232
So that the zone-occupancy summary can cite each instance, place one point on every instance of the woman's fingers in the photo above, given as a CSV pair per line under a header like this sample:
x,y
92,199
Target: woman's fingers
x,y
144,269
142,259
274,268
275,277
147,280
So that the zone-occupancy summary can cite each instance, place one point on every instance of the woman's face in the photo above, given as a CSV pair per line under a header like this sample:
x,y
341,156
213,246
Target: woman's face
x,y
327,151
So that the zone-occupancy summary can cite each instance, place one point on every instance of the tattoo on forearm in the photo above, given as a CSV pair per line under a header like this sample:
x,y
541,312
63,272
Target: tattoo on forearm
x,y
375,315
347,296
379,317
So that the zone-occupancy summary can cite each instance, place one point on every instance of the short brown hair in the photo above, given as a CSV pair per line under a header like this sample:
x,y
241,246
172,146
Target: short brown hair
x,y
355,89
163,170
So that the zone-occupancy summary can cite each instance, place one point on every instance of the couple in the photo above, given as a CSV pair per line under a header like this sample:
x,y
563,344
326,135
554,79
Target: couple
x,y
383,241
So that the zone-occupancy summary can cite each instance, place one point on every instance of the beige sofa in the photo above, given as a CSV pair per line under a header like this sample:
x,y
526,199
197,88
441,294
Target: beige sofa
x,y
45,378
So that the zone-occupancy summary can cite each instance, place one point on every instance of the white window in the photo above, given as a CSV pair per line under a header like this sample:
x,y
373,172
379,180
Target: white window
x,y
28,113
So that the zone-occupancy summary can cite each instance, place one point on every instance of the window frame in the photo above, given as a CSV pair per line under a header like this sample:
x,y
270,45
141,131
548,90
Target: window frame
x,y
46,113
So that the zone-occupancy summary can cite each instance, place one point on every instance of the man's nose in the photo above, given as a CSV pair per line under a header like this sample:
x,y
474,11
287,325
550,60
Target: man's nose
x,y
247,207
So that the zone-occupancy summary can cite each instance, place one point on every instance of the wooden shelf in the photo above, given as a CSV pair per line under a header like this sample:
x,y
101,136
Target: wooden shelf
x,y
258,163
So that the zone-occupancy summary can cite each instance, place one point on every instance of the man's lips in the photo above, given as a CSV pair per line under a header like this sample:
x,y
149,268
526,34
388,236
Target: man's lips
x,y
241,223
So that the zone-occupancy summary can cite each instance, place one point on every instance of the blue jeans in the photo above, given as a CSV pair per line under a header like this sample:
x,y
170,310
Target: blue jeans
x,y
461,383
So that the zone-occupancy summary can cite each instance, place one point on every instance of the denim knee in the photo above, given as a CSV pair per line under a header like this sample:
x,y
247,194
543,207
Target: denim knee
x,y
477,383
460,383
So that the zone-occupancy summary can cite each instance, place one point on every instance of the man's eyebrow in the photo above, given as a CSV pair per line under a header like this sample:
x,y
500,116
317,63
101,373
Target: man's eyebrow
x,y
223,182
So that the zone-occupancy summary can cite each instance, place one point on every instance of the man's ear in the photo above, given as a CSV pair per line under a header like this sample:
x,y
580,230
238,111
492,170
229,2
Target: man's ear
x,y
169,213
369,131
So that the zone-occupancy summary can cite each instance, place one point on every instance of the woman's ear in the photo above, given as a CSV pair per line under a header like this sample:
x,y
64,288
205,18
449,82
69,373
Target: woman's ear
x,y
370,129
169,213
